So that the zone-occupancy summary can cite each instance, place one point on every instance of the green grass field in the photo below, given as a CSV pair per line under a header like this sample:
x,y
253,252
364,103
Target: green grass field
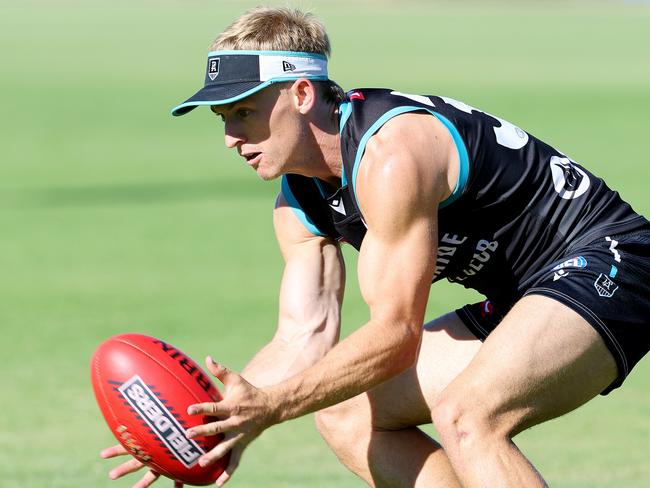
x,y
116,217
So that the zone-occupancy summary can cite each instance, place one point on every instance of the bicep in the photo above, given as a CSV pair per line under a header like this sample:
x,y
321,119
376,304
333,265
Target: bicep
x,y
395,274
313,280
399,188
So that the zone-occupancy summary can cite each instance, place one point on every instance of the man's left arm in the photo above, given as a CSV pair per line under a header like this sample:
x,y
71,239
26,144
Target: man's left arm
x,y
399,187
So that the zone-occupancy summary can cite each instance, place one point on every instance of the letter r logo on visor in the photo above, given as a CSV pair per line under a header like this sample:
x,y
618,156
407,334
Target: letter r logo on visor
x,y
213,68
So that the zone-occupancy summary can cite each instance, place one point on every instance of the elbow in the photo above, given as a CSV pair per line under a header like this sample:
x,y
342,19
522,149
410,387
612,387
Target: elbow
x,y
406,352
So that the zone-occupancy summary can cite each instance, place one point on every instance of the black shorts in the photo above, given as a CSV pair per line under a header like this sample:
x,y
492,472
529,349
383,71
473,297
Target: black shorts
x,y
607,282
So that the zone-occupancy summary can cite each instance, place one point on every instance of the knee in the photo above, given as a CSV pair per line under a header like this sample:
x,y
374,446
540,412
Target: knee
x,y
326,422
465,422
343,424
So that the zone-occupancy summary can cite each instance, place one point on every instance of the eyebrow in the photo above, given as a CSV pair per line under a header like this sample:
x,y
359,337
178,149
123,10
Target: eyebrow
x,y
220,109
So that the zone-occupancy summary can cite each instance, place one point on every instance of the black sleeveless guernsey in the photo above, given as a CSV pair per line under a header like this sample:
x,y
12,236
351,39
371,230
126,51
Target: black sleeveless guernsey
x,y
519,204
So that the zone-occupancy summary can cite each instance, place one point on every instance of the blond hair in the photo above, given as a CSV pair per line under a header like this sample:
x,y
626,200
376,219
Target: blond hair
x,y
275,29
281,29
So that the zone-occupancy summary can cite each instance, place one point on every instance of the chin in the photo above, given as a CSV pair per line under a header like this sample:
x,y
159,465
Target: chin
x,y
267,175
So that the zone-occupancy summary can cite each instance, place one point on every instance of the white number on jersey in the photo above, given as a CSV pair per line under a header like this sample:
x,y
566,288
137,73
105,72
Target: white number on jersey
x,y
508,135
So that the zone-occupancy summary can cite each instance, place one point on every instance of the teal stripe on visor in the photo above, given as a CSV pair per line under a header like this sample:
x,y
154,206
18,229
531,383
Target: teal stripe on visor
x,y
247,93
232,75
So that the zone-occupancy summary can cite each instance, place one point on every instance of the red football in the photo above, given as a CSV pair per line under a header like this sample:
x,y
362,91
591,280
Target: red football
x,y
143,387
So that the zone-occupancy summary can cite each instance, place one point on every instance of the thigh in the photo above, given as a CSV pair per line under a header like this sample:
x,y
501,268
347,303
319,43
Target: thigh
x,y
608,283
541,361
406,400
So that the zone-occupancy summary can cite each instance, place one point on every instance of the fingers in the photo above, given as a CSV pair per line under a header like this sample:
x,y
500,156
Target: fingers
x,y
216,409
220,450
147,480
213,428
111,452
235,456
222,373
125,468
130,466
210,409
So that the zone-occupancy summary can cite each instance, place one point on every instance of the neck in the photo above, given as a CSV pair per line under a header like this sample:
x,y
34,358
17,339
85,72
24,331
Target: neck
x,y
329,147
322,151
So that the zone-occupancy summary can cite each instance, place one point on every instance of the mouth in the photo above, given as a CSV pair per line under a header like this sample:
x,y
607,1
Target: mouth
x,y
253,158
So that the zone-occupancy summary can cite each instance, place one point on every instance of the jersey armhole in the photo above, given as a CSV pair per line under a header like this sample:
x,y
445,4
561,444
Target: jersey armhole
x,y
463,157
298,210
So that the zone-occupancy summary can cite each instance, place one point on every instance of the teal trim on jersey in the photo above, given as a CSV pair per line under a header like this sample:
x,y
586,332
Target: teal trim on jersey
x,y
458,141
321,188
463,170
345,110
246,93
297,209
295,54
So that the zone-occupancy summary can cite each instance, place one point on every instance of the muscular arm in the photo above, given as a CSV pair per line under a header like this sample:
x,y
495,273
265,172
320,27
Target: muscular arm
x,y
399,187
310,302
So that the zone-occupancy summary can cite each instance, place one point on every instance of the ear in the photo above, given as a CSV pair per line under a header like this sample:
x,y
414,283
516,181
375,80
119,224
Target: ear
x,y
304,95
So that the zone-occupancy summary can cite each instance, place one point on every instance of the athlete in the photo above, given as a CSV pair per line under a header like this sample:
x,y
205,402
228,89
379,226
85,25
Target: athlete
x,y
426,188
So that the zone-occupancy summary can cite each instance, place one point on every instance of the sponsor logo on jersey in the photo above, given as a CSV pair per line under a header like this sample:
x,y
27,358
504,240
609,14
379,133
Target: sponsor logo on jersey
x,y
213,67
161,421
337,205
356,95
569,181
605,286
561,269
447,247
484,251
287,66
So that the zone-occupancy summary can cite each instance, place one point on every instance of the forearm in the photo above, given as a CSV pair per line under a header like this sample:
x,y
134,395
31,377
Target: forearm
x,y
310,306
371,355
280,359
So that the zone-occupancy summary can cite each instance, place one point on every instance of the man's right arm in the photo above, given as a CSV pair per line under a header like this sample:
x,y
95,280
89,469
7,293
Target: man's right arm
x,y
311,295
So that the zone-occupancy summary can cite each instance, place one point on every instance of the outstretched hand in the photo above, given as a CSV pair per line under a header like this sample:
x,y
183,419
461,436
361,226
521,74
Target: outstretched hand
x,y
244,413
131,466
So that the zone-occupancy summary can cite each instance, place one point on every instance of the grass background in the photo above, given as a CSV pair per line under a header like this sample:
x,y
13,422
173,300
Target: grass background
x,y
116,217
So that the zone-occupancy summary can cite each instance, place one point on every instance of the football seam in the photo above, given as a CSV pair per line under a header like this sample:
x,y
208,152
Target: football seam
x,y
182,383
102,390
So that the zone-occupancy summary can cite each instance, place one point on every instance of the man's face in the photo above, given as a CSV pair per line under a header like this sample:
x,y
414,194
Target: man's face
x,y
266,130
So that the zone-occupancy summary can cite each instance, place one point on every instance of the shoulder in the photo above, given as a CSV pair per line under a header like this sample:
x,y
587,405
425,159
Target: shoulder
x,y
411,161
294,229
304,198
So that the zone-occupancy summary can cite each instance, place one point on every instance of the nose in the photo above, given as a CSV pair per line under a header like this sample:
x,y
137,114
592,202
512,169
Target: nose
x,y
232,138
232,142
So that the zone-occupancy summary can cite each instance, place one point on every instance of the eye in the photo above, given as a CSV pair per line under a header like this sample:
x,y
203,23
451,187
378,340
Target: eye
x,y
242,113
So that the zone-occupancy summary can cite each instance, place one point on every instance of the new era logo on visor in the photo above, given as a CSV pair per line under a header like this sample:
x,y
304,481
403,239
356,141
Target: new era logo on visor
x,y
213,68
287,66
